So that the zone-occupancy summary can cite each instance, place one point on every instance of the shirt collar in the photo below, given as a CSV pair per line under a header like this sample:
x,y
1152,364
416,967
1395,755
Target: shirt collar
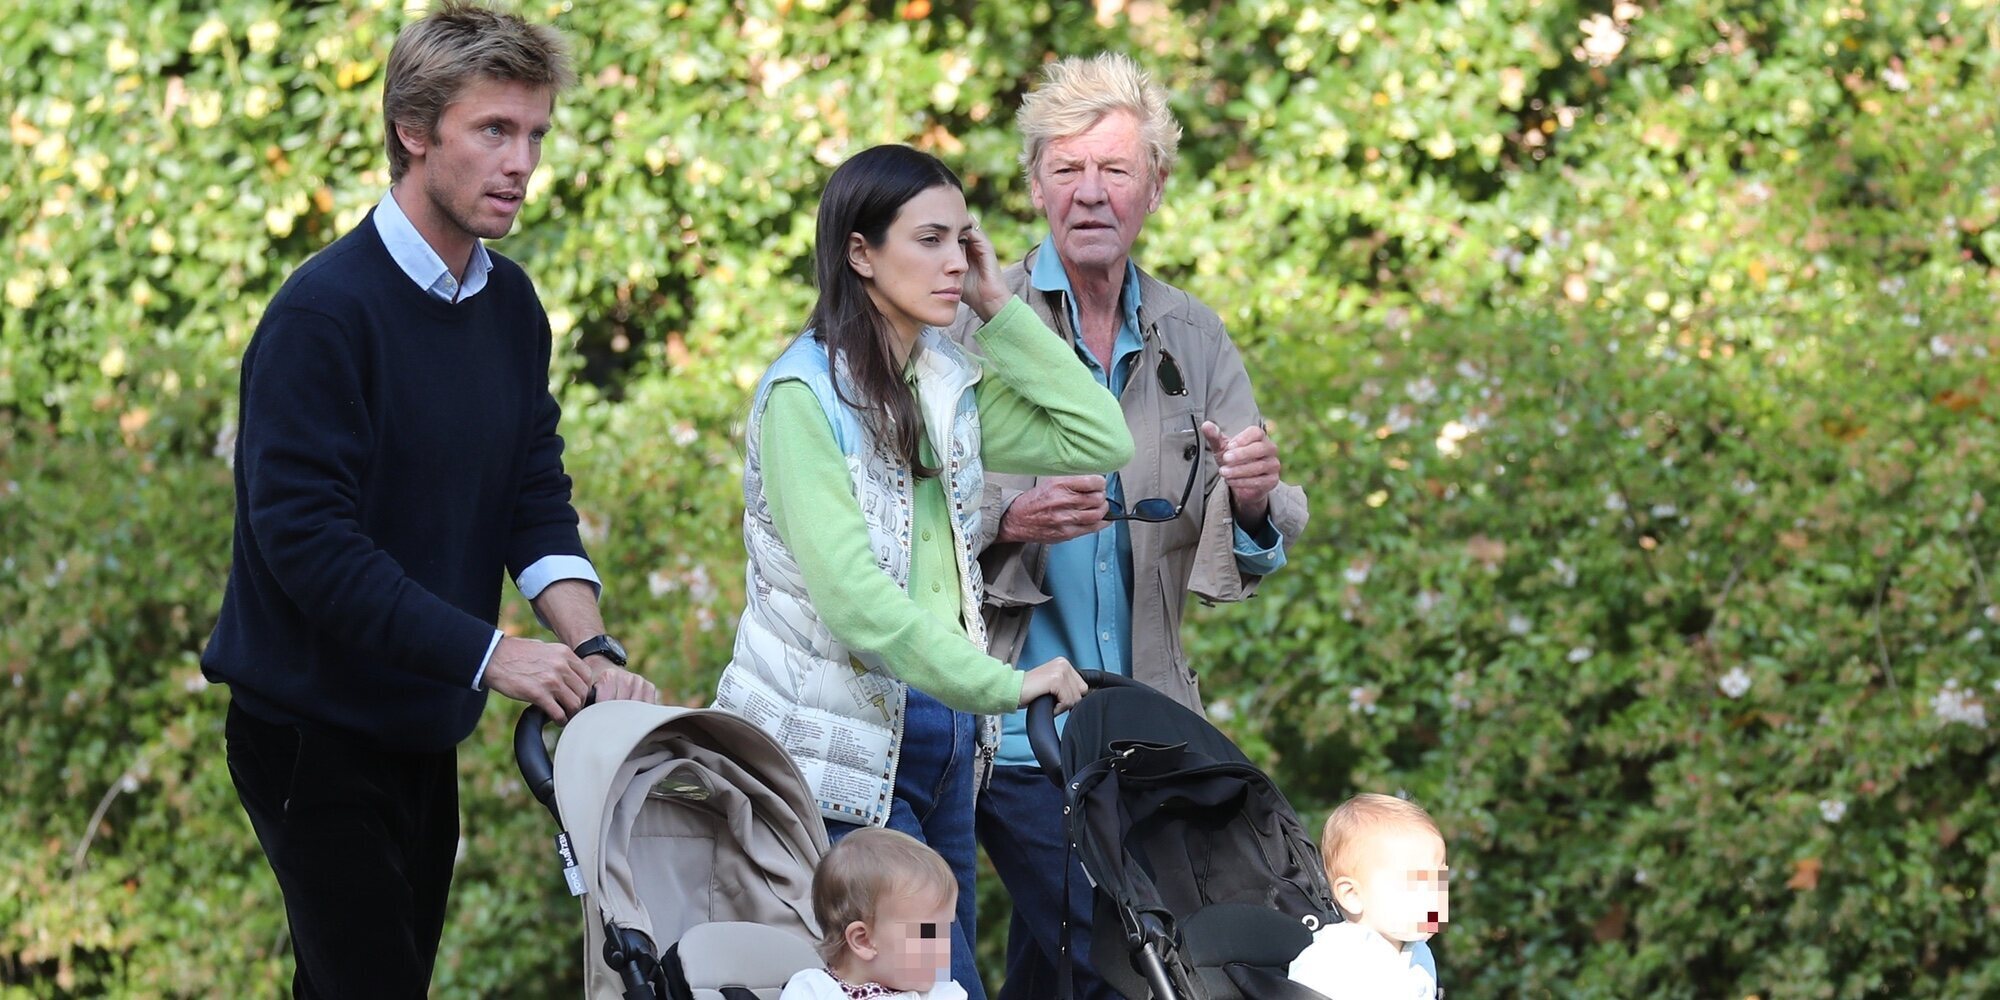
x,y
1049,275
414,255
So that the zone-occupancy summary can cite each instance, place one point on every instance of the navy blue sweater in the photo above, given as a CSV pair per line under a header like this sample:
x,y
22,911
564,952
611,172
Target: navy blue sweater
x,y
394,454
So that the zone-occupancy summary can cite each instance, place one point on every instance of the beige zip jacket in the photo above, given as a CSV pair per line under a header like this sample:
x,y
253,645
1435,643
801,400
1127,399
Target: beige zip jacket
x,y
1194,553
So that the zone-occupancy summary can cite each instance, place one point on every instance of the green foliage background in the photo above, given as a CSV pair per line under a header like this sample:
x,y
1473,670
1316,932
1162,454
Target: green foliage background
x,y
1637,358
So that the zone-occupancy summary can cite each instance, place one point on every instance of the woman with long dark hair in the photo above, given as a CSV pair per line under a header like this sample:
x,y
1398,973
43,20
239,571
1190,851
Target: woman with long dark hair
x,y
861,648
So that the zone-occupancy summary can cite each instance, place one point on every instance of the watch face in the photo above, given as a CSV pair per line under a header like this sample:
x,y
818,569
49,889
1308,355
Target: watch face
x,y
617,649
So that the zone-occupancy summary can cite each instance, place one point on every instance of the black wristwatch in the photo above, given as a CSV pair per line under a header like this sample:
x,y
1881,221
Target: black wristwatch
x,y
604,646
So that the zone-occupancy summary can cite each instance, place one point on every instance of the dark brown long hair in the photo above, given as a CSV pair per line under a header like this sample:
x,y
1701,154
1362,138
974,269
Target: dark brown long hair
x,y
864,196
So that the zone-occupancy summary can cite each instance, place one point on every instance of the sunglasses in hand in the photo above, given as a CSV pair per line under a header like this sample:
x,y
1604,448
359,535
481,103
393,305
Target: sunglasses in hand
x,y
1156,510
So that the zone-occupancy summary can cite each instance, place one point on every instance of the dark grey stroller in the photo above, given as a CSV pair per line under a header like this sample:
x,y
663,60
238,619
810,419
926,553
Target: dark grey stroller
x,y
1205,877
692,838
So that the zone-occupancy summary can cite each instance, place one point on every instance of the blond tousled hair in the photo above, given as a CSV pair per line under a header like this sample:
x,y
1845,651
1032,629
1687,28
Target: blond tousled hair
x,y
434,58
865,868
1344,841
1075,93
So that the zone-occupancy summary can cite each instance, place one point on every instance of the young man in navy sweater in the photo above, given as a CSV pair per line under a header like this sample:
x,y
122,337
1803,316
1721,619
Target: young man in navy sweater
x,y
397,452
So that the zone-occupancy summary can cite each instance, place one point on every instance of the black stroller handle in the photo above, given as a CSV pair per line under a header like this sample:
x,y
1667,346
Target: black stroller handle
x,y
533,757
1042,738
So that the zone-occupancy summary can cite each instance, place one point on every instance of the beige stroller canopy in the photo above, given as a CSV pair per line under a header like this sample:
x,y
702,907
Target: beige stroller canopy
x,y
680,818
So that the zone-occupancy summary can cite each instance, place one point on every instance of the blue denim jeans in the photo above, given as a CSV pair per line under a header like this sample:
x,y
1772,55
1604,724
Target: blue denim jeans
x,y
933,803
1021,825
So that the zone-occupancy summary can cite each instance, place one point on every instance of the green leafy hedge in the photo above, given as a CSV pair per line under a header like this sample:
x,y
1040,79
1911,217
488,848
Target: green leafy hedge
x,y
1637,358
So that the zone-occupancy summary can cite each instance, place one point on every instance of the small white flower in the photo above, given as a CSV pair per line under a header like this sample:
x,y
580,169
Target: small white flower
x,y
704,618
1955,704
1735,683
660,583
1360,699
1974,634
1940,347
1450,435
1579,654
1832,810
1518,624
225,443
699,586
1357,572
1895,80
1746,486
1602,40
1422,390
684,433
1665,510
1427,600
1565,573
1614,501
1640,877
1222,710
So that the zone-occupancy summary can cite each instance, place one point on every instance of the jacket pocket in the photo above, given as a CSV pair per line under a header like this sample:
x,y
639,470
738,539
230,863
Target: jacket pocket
x,y
1181,451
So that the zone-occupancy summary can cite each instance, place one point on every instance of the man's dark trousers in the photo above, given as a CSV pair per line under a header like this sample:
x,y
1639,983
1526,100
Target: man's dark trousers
x,y
362,841
1020,823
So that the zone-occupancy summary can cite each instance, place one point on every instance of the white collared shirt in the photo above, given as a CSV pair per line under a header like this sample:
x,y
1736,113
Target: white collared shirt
x,y
416,257
1347,961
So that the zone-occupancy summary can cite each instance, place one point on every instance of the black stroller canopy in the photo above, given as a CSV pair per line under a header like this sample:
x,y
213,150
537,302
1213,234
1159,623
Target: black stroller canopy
x,y
1197,857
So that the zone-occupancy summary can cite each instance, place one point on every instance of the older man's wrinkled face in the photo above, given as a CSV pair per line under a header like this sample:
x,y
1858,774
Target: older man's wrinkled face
x,y
1096,188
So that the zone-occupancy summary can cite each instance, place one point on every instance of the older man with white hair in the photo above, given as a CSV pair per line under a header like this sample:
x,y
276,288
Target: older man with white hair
x,y
1098,568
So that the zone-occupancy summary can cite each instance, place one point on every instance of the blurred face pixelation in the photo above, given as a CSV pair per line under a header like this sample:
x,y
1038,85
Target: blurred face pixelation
x,y
1399,888
908,944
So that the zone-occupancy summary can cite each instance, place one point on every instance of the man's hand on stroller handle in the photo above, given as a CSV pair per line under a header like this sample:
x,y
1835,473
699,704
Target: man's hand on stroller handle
x,y
1058,678
619,684
547,675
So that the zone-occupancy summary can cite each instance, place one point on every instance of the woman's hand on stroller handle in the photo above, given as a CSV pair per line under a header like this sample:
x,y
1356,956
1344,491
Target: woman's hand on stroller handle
x,y
1056,679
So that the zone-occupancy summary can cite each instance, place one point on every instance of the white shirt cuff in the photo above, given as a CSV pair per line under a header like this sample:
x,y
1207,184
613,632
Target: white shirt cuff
x,y
480,677
549,569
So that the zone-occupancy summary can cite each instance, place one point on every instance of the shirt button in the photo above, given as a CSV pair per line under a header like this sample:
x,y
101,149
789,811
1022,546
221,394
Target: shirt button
x,y
1106,636
937,587
927,536
1102,565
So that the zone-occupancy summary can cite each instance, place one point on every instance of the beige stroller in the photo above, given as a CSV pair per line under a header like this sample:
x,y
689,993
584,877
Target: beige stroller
x,y
692,839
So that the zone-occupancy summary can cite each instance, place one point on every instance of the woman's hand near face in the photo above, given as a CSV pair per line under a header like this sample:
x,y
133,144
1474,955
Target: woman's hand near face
x,y
984,291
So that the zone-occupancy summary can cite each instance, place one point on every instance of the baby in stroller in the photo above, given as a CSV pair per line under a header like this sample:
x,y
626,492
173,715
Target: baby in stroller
x,y
884,901
1386,863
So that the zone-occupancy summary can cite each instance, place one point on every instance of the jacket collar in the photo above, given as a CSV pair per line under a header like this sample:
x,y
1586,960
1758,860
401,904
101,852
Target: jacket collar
x,y
1157,299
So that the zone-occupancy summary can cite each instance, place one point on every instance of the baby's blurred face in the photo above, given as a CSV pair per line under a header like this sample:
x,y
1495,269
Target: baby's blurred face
x,y
913,934
1400,886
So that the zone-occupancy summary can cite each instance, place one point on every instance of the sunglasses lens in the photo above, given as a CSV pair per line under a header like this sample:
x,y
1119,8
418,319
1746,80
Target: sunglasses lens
x,y
1154,510
1170,376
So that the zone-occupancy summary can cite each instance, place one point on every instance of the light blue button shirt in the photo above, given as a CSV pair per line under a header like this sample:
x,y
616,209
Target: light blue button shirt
x,y
414,255
1088,617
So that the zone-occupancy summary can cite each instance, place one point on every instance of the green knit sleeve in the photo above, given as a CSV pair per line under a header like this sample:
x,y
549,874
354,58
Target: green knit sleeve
x,y
1041,413
817,517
